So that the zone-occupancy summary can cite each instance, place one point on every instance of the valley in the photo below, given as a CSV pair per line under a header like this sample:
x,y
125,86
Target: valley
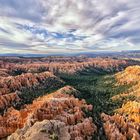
x,y
69,98
98,90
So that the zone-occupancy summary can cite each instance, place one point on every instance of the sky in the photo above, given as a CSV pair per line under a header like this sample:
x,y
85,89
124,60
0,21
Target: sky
x,y
69,26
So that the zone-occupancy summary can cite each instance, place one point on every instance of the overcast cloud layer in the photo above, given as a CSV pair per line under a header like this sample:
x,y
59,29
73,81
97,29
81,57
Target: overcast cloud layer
x,y
56,26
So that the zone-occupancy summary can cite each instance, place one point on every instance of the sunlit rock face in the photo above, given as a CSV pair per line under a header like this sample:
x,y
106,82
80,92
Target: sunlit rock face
x,y
118,127
59,65
27,80
73,66
125,124
14,89
130,75
60,108
8,100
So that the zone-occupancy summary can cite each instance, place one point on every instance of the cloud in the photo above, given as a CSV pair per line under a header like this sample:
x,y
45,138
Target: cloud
x,y
52,26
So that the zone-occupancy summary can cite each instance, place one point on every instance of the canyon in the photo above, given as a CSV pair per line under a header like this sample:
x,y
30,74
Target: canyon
x,y
69,98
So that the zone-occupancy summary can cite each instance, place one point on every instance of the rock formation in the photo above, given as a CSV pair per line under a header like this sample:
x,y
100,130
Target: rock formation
x,y
118,127
56,107
125,124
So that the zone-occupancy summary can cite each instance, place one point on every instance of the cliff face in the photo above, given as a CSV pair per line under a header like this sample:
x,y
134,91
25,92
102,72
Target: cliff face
x,y
18,89
130,75
28,80
8,100
125,124
67,65
118,127
72,67
56,107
